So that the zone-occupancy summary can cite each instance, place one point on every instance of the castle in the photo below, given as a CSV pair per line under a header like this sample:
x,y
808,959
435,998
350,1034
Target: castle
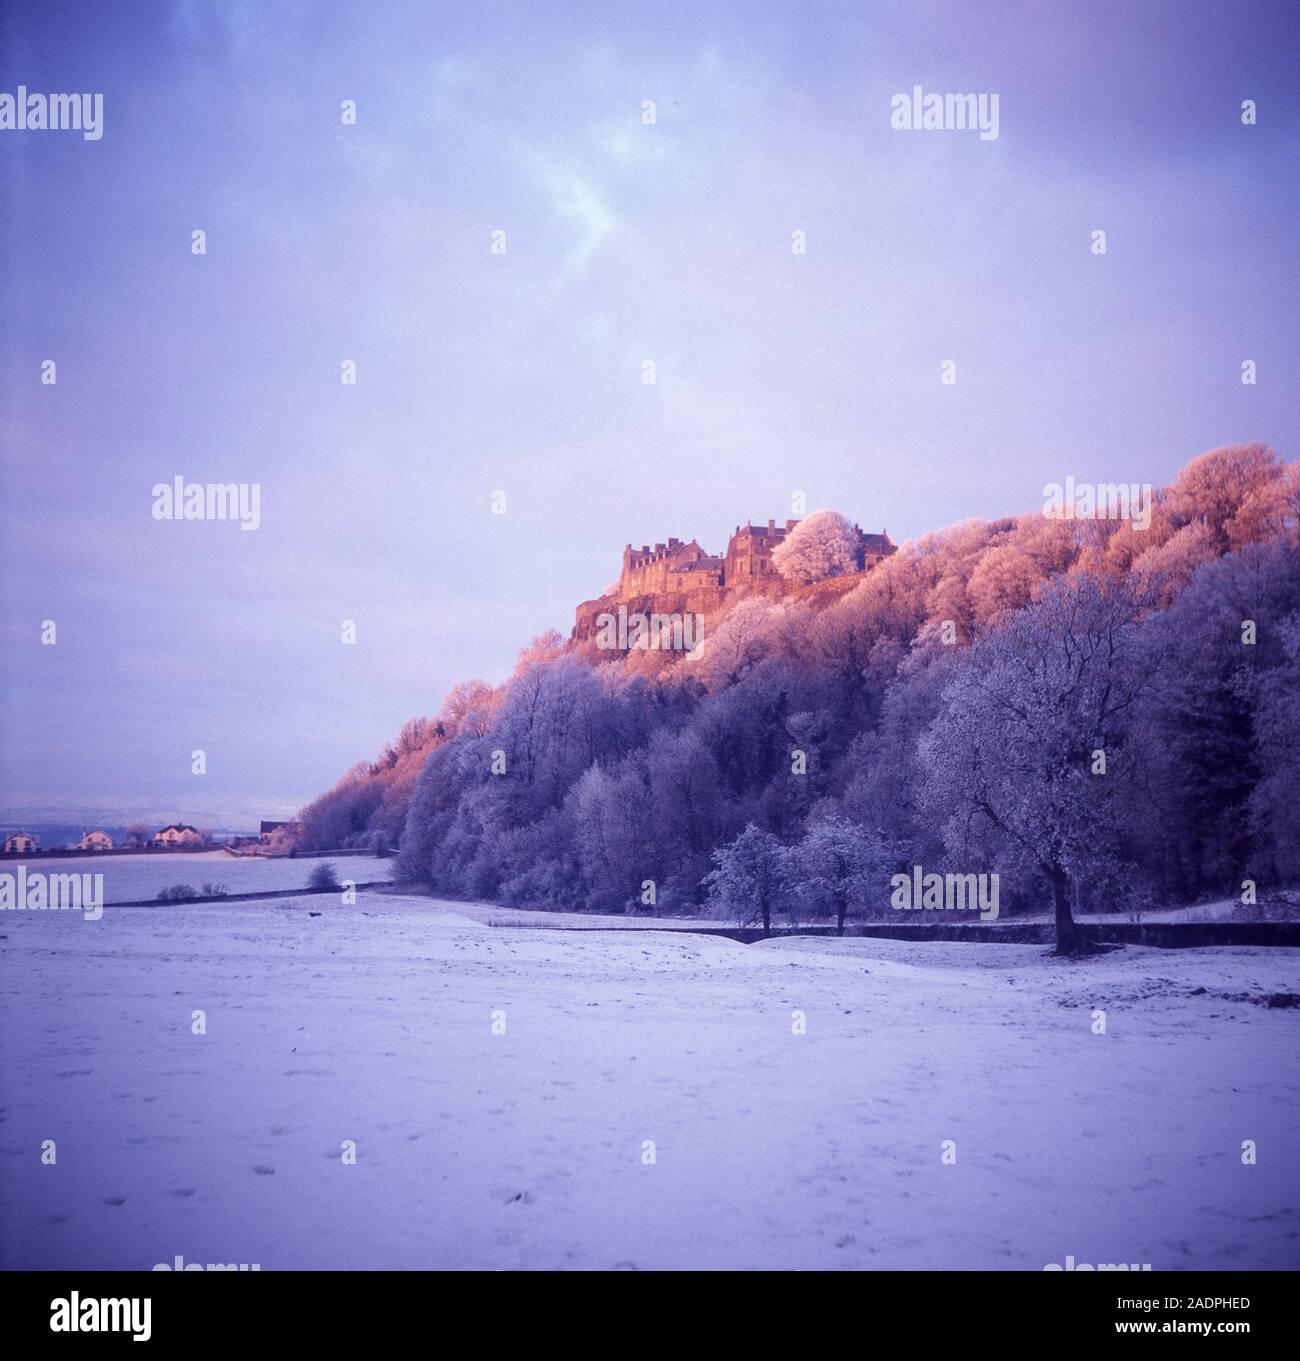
x,y
682,577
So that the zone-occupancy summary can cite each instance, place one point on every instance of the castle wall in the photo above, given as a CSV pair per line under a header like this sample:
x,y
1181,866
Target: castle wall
x,y
679,578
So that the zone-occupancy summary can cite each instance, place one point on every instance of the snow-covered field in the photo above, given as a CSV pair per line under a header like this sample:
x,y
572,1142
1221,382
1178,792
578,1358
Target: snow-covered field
x,y
134,878
528,1148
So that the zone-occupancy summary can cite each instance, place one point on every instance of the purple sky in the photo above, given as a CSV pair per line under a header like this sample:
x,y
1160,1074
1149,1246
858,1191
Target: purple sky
x,y
522,372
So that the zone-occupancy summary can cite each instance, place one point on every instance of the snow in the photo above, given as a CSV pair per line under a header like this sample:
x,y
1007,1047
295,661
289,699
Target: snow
x,y
373,1023
136,878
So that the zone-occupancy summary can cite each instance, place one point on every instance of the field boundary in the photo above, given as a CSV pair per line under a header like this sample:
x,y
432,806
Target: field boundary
x,y
1161,935
245,897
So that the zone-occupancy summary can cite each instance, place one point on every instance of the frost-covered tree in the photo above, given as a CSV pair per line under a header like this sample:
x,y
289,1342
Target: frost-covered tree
x,y
686,814
1012,760
610,812
1167,568
342,813
323,878
751,881
885,777
752,629
823,544
1215,728
1275,801
1012,571
843,865
468,709
1231,490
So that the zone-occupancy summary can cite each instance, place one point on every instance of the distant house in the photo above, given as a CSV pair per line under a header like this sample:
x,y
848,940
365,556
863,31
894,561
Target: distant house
x,y
21,843
268,830
95,841
178,834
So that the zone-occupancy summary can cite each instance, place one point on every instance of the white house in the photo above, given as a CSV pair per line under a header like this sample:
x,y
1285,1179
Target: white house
x,y
21,843
95,841
178,834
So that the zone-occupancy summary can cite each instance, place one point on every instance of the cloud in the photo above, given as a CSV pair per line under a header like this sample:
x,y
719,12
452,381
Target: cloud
x,y
580,204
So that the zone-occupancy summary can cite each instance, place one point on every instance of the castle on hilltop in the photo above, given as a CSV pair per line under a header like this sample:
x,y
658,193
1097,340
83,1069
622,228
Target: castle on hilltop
x,y
677,576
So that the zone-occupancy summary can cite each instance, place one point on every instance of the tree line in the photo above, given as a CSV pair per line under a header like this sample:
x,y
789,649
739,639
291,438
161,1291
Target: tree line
x,y
1104,715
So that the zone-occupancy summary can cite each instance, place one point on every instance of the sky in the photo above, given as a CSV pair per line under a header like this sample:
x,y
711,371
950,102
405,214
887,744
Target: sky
x,y
522,372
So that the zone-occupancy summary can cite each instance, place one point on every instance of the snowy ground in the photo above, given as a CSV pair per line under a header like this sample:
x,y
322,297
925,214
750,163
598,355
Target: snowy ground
x,y
525,1149
133,878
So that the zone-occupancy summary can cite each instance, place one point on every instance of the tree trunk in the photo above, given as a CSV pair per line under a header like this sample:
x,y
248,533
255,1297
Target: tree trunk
x,y
767,918
841,907
1068,939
